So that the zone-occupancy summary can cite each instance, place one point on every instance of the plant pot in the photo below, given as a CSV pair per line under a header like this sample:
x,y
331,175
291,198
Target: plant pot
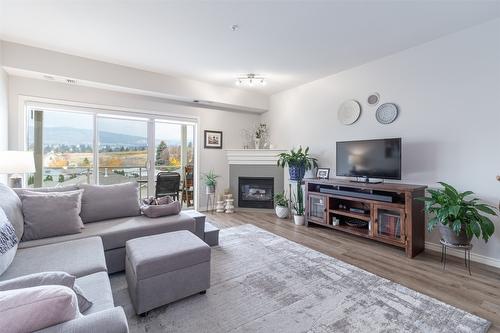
x,y
299,219
281,212
450,237
296,172
210,189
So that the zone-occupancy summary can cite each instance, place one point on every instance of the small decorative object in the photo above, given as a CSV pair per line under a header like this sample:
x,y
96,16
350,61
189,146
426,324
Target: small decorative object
x,y
260,136
323,173
349,112
281,205
457,218
229,205
213,139
386,113
298,162
373,99
356,223
210,180
335,221
220,204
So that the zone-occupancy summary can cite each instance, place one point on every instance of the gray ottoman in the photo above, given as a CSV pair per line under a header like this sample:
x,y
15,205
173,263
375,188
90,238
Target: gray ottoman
x,y
164,268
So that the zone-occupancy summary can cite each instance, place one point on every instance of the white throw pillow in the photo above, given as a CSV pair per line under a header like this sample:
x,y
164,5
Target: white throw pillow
x,y
8,242
32,309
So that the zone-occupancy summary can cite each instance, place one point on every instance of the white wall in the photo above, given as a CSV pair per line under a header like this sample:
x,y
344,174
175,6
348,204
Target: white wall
x,y
231,123
448,91
3,110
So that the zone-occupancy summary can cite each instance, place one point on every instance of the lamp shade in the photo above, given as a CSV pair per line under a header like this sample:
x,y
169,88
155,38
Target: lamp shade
x,y
16,161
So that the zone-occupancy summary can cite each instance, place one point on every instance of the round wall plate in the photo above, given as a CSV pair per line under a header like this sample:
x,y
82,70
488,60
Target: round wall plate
x,y
373,99
386,113
349,112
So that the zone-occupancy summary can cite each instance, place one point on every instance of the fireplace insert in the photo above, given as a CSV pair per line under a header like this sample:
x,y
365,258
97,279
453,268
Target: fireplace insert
x,y
256,192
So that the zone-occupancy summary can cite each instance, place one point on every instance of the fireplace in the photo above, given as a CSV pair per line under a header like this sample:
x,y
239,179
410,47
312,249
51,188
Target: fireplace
x,y
256,192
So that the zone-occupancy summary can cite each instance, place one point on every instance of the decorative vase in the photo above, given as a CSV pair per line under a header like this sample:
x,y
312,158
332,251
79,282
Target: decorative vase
x,y
256,141
296,172
210,189
450,237
299,219
229,206
281,212
220,206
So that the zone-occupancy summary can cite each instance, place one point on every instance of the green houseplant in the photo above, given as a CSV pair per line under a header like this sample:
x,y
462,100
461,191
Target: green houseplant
x,y
281,202
210,180
457,217
298,161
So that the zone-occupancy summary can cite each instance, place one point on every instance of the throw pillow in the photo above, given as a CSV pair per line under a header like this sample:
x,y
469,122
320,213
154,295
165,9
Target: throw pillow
x,y
102,202
67,188
51,214
12,207
172,208
48,278
32,309
8,242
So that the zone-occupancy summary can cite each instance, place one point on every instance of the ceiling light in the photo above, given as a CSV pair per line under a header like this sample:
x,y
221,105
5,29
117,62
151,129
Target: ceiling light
x,y
235,27
251,80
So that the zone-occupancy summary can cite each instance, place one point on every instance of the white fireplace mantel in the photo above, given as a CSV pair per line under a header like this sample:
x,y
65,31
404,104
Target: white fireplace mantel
x,y
253,156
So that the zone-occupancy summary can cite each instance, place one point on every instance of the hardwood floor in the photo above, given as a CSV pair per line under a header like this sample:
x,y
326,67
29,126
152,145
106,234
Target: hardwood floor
x,y
478,294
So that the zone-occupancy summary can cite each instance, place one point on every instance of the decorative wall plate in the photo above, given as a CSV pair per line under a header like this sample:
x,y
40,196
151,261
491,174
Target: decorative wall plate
x,y
386,113
349,112
373,99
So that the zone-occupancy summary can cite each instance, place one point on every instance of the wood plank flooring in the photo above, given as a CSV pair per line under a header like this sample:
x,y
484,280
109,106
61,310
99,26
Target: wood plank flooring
x,y
478,294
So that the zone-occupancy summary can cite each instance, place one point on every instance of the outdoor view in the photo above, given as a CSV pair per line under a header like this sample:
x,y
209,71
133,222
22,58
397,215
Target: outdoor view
x,y
67,152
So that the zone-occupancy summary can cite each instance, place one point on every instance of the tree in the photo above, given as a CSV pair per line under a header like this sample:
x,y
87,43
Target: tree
x,y
61,178
162,154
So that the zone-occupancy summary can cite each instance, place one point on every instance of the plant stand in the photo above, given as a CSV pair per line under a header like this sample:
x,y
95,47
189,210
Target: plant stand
x,y
211,202
466,248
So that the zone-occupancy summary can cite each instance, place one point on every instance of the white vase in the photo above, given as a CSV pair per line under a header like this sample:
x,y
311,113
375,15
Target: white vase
x,y
281,212
256,141
220,206
299,219
229,206
210,189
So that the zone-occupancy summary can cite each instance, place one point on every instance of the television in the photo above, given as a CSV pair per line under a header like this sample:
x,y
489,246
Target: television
x,y
380,158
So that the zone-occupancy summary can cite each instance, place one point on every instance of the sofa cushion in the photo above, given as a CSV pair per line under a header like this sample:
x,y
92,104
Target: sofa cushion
x,y
97,289
32,309
78,257
8,242
102,202
45,279
51,214
116,232
11,205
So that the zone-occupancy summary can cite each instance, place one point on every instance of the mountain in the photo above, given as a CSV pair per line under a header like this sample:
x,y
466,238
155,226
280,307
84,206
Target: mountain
x,y
77,136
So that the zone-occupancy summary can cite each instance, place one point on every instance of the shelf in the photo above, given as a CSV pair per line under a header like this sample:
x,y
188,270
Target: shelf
x,y
352,230
359,216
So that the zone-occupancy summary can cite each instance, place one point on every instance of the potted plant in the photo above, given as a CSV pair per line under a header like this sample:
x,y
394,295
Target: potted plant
x,y
458,219
210,180
281,205
298,162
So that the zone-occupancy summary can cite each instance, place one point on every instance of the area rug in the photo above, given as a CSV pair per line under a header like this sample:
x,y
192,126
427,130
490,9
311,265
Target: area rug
x,y
264,283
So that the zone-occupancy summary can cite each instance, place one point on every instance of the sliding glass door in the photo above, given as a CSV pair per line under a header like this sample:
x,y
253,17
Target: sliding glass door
x,y
73,147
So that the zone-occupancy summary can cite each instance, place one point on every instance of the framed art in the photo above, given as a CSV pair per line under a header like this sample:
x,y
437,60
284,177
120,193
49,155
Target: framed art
x,y
213,139
323,173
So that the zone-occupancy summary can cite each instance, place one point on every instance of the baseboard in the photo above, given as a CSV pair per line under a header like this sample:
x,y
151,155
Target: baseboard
x,y
458,253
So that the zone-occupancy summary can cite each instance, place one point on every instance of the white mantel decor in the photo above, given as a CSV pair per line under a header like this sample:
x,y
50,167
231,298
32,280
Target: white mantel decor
x,y
253,156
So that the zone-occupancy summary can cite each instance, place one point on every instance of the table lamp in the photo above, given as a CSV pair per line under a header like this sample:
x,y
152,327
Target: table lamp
x,y
16,163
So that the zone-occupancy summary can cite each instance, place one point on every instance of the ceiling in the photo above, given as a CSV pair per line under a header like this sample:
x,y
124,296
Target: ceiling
x,y
289,42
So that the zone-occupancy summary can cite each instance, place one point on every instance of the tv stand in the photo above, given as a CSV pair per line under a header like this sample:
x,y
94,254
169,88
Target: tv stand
x,y
383,212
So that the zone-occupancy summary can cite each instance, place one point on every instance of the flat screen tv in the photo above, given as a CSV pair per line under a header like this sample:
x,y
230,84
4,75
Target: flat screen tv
x,y
380,158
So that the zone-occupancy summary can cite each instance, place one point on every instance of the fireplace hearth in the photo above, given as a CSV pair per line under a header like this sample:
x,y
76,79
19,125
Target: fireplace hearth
x,y
256,192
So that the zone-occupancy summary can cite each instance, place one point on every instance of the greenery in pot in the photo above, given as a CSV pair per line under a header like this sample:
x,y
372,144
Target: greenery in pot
x,y
451,210
280,199
210,180
298,162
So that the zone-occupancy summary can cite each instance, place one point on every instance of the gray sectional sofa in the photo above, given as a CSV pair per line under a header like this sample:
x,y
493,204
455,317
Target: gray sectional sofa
x,y
99,249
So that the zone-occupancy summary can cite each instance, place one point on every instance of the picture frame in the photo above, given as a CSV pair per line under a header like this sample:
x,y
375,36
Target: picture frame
x,y
213,139
323,173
